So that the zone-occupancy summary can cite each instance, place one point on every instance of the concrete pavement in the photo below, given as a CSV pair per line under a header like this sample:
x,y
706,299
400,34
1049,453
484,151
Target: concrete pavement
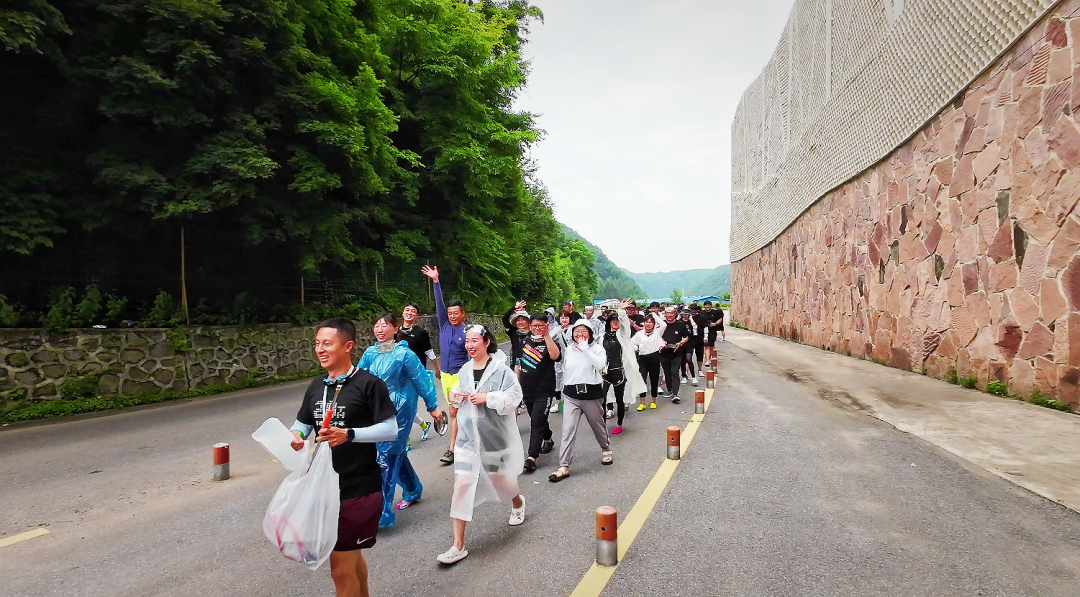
x,y
785,494
781,493
1032,446
131,510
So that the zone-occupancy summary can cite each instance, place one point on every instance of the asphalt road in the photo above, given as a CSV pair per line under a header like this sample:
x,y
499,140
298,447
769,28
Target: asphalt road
x,y
781,493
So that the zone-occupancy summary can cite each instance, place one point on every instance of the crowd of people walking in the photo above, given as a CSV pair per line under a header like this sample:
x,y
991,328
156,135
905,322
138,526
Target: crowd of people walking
x,y
582,364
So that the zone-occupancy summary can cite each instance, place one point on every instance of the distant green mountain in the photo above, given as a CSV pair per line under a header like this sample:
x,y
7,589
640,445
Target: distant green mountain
x,y
715,283
614,281
691,282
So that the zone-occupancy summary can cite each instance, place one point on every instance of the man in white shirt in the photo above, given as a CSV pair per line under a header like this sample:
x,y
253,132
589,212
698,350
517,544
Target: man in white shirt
x,y
647,343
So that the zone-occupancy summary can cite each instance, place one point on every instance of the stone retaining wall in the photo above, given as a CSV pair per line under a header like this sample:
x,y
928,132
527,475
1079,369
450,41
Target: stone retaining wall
x,y
959,251
34,364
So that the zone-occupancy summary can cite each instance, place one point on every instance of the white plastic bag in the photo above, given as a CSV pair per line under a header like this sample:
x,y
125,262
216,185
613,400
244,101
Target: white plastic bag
x,y
276,438
302,519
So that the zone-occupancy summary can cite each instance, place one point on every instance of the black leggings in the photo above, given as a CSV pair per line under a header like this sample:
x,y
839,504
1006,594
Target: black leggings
x,y
650,371
688,362
620,406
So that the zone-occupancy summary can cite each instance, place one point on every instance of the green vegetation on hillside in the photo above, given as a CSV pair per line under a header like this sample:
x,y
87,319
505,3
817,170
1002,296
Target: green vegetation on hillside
x,y
693,282
716,282
614,281
330,145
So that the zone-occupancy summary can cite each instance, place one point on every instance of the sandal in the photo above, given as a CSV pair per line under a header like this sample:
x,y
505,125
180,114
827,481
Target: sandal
x,y
607,457
560,474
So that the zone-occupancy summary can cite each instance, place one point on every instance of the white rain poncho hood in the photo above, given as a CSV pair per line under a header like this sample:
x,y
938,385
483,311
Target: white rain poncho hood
x,y
630,368
488,455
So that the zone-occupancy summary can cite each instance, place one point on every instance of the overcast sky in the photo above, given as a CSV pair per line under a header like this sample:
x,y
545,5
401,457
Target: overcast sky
x,y
637,100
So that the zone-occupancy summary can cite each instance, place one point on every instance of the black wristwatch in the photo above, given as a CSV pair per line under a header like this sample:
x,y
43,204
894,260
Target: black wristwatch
x,y
352,434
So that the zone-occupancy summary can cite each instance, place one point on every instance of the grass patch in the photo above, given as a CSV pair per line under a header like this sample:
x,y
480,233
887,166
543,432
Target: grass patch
x,y
1039,399
997,388
967,382
952,377
738,325
879,362
50,409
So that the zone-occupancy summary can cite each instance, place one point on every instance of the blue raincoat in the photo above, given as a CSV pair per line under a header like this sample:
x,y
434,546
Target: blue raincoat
x,y
406,379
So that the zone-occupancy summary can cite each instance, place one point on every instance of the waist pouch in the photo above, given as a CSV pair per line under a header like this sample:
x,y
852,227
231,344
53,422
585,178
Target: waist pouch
x,y
615,376
584,391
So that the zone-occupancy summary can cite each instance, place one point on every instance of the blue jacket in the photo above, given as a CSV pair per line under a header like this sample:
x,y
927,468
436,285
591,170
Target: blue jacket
x,y
406,379
451,338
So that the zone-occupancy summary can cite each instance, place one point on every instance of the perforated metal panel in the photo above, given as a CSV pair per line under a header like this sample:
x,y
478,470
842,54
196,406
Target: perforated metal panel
x,y
848,83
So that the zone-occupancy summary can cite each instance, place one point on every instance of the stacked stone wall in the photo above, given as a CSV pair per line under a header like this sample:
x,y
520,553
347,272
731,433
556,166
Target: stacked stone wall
x,y
959,251
34,363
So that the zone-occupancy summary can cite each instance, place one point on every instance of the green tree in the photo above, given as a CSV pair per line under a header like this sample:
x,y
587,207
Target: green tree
x,y
286,138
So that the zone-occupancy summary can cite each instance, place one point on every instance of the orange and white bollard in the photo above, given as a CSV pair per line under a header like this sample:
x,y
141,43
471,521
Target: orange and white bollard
x,y
710,379
712,363
674,439
699,402
607,543
221,461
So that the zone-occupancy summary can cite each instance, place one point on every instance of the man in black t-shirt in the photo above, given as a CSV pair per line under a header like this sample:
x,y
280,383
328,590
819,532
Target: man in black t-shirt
x,y
419,341
637,320
675,336
362,413
536,373
714,322
568,309
417,338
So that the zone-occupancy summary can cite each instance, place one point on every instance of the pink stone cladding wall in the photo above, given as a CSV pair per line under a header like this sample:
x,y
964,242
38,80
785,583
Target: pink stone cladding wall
x,y
957,251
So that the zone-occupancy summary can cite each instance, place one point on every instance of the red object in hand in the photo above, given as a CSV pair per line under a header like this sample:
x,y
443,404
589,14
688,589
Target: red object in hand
x,y
326,419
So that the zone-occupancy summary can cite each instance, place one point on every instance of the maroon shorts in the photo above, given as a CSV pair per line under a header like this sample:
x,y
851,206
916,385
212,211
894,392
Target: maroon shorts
x,y
358,522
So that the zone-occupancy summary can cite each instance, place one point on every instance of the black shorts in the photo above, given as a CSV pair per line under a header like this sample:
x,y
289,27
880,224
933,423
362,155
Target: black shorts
x,y
710,339
358,522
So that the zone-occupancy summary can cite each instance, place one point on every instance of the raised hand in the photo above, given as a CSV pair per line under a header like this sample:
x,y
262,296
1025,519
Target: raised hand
x,y
431,272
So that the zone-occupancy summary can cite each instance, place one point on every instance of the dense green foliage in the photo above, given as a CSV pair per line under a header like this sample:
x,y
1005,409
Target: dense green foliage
x,y
284,140
691,282
614,282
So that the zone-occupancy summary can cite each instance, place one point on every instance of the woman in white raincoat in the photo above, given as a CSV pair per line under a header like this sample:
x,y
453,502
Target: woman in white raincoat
x,y
622,370
488,455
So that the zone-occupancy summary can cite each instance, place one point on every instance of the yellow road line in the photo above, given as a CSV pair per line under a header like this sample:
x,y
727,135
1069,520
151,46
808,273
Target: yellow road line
x,y
596,577
12,540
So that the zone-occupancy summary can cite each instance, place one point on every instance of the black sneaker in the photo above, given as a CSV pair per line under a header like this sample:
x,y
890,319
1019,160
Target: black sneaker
x,y
675,400
547,446
447,458
530,465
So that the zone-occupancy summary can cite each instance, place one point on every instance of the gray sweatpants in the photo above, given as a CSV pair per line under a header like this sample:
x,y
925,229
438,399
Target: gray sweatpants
x,y
573,410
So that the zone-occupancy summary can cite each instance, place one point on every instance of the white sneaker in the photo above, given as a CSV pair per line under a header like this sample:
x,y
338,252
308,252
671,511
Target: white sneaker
x,y
517,515
452,555
554,408
683,380
694,381
701,374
